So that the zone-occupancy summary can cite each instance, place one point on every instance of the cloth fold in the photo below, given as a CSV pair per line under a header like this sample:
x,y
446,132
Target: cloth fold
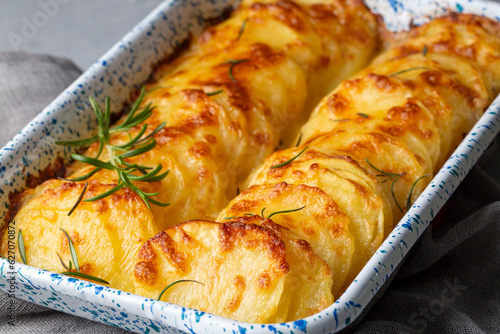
x,y
448,283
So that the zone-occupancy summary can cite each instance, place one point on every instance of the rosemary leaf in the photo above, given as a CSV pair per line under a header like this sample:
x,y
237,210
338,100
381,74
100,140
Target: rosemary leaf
x,y
156,88
99,151
408,200
79,199
97,111
136,105
93,162
78,143
233,64
215,92
107,115
285,211
409,70
242,29
227,218
394,195
299,140
83,177
381,171
20,246
425,50
105,194
146,176
292,159
137,119
262,213
394,177
134,140
362,115
82,275
62,262
72,250
151,135
155,202
174,283
149,194
138,151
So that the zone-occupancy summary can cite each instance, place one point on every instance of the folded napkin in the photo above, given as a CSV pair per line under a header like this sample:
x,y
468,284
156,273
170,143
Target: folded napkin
x,y
447,284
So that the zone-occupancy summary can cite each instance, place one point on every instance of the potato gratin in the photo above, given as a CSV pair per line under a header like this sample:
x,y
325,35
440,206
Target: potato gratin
x,y
312,215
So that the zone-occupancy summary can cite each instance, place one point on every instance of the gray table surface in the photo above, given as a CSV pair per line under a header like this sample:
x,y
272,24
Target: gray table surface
x,y
81,30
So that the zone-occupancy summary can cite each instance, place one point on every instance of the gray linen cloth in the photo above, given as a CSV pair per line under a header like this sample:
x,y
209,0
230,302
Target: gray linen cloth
x,y
449,283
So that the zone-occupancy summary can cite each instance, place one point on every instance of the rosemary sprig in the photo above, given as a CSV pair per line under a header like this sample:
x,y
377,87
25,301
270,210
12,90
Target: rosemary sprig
x,y
74,257
137,145
215,93
362,115
174,283
425,50
408,200
242,29
79,199
394,177
299,140
233,63
20,246
409,70
289,161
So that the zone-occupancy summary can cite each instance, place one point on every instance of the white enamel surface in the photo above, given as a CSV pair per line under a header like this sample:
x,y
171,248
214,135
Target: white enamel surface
x,y
127,65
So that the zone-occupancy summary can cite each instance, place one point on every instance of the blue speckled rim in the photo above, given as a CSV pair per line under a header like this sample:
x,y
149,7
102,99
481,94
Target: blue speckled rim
x,y
126,66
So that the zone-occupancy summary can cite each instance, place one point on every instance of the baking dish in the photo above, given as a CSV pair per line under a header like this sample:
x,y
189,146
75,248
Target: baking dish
x,y
127,65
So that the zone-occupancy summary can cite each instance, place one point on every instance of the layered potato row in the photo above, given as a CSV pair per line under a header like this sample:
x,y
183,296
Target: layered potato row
x,y
310,216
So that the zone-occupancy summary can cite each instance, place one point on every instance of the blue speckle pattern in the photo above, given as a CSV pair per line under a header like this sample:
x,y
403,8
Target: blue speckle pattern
x,y
126,66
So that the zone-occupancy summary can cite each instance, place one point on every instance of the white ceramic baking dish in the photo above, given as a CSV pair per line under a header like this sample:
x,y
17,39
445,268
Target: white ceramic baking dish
x,y
125,67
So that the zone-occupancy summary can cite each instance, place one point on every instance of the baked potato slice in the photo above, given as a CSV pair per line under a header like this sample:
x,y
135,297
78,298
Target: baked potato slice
x,y
250,272
109,232
318,220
